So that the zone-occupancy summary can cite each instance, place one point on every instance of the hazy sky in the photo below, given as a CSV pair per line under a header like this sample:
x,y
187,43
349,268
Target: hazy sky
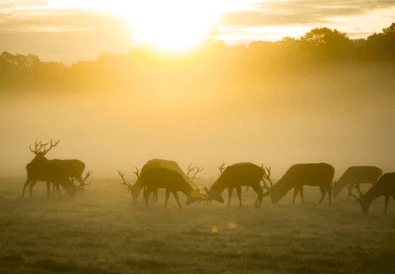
x,y
79,30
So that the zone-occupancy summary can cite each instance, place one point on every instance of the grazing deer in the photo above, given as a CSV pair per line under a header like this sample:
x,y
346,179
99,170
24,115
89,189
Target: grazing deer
x,y
313,174
154,163
42,169
385,186
355,175
172,181
236,176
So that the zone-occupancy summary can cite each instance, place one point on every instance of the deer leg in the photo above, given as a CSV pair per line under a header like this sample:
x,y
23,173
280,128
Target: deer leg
x,y
301,193
238,189
230,191
329,190
49,188
247,189
31,187
24,186
357,186
57,188
295,193
387,200
323,193
258,190
176,197
155,195
167,197
146,195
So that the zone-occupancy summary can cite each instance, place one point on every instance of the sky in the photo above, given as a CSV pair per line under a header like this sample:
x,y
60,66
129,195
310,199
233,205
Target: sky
x,y
70,31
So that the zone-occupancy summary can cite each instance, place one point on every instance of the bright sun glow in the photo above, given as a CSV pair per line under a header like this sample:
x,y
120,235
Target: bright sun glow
x,y
172,25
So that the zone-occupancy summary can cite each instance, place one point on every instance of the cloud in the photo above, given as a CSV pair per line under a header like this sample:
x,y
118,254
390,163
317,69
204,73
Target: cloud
x,y
280,13
22,3
41,20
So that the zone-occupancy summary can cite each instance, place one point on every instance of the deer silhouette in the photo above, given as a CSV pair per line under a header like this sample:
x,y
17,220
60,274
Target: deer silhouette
x,y
42,169
355,175
172,181
234,177
385,186
298,175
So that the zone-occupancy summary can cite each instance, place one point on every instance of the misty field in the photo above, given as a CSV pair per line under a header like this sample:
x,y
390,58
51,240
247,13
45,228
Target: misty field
x,y
104,231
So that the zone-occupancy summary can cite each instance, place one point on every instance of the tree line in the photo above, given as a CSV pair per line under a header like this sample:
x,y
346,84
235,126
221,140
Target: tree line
x,y
318,48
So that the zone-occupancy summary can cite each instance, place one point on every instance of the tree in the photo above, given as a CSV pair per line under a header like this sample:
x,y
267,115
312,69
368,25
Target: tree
x,y
329,44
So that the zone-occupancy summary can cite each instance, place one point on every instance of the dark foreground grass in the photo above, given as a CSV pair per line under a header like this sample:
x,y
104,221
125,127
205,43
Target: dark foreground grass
x,y
102,231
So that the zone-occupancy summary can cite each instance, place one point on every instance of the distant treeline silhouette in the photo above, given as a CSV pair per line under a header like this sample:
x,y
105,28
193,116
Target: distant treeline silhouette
x,y
319,48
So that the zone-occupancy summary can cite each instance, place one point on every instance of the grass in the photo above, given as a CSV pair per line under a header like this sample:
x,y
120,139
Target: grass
x,y
103,231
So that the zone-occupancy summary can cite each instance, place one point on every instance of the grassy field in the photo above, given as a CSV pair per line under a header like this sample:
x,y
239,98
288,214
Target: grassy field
x,y
103,231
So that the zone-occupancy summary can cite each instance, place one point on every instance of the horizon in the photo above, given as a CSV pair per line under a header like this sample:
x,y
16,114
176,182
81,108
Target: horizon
x,y
80,30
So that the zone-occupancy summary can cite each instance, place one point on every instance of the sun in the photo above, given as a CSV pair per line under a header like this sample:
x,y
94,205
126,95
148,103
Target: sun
x,y
170,25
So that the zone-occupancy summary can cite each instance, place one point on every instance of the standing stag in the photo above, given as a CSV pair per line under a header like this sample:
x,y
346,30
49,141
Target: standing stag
x,y
42,169
236,176
172,181
313,174
355,175
385,186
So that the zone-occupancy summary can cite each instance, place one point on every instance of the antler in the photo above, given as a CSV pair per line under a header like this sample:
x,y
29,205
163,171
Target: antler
x,y
43,145
266,176
128,185
137,173
37,149
87,176
352,195
198,170
190,169
221,167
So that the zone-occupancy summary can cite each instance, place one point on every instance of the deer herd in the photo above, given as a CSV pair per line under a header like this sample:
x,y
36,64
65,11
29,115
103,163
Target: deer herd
x,y
159,173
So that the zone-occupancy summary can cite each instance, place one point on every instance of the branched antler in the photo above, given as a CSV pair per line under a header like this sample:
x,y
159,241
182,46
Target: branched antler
x,y
266,176
351,194
128,185
221,167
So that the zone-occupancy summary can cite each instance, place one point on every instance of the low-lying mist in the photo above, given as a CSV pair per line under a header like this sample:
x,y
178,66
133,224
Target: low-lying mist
x,y
342,115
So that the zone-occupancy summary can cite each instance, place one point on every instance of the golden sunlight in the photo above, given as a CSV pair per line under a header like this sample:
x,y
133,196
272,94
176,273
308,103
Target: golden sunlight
x,y
171,25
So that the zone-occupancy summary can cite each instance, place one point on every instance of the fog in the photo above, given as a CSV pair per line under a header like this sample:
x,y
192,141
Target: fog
x,y
343,116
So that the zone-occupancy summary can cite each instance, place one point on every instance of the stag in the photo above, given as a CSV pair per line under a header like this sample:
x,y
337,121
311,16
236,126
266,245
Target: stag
x,y
42,169
172,181
236,176
355,175
385,186
73,169
312,174
154,163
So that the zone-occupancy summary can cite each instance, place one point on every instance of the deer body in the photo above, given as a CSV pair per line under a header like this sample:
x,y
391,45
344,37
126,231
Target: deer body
x,y
385,186
44,170
355,175
171,180
155,163
73,168
236,176
313,174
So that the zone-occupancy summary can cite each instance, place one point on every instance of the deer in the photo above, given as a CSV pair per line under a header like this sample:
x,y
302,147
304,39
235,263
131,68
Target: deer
x,y
385,186
42,169
172,165
298,175
266,176
74,169
355,175
172,181
236,176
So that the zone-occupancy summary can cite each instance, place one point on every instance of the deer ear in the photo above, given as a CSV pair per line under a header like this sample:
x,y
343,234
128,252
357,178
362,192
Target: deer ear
x,y
207,191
